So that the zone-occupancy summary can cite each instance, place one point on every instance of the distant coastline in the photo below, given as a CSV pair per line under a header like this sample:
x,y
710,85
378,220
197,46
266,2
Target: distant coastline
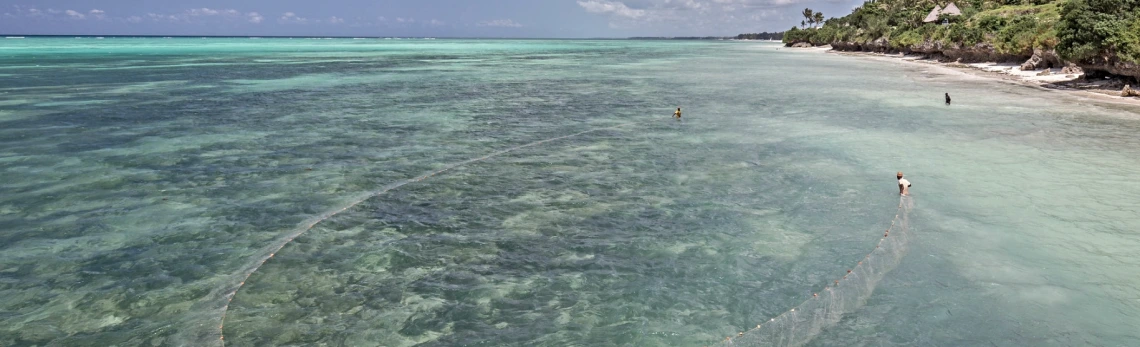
x,y
293,37
679,38
743,37
764,36
749,37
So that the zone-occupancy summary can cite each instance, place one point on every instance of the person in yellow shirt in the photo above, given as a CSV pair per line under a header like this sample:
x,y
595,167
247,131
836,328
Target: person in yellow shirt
x,y
677,114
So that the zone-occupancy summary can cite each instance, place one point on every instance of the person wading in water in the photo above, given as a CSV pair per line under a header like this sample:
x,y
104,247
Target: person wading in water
x,y
947,99
677,114
904,185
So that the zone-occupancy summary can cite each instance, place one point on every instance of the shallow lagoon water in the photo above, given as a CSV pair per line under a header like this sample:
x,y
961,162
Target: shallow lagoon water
x,y
142,176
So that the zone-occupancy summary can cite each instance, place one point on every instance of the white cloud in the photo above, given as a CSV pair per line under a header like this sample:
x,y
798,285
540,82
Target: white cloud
x,y
499,23
336,20
202,12
436,23
197,15
194,15
694,17
611,7
292,18
405,20
231,14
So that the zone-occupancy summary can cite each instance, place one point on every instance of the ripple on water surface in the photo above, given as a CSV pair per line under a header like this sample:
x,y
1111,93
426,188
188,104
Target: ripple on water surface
x,y
134,198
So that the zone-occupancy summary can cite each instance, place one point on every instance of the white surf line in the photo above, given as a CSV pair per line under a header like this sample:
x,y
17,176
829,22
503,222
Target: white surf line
x,y
269,251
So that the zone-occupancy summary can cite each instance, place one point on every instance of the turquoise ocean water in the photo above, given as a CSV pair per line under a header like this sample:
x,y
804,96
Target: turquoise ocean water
x,y
144,178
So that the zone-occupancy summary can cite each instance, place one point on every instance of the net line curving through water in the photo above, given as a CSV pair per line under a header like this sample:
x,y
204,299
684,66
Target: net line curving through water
x,y
792,328
800,324
215,305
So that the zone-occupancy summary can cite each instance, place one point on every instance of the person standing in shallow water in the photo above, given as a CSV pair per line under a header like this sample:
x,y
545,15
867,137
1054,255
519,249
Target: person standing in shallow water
x,y
904,185
677,114
947,99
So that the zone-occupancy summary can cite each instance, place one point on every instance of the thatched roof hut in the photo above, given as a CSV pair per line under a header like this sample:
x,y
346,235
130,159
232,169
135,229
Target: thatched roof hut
x,y
950,9
933,16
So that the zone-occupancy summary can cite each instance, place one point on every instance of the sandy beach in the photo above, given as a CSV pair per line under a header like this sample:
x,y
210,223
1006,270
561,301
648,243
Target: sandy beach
x,y
1054,80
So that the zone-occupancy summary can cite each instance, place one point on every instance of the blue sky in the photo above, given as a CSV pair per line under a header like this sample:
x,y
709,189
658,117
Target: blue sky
x,y
436,18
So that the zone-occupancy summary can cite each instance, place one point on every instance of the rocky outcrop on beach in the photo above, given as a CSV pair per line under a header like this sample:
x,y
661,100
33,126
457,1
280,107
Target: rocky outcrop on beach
x,y
986,52
846,46
1128,91
879,45
927,47
1111,65
1042,59
802,45
981,52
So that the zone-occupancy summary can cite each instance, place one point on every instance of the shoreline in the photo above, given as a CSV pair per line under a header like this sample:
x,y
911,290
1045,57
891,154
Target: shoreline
x,y
1009,73
1071,84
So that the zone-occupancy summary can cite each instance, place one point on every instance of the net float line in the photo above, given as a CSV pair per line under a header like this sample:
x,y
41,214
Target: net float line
x,y
800,324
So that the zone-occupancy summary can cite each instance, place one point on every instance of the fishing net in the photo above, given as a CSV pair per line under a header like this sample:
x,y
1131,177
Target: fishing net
x,y
211,311
798,325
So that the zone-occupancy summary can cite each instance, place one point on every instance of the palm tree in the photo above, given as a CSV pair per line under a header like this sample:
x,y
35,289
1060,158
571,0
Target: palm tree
x,y
802,24
818,18
808,14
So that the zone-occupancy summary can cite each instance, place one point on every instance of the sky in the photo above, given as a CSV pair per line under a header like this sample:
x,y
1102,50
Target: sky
x,y
414,18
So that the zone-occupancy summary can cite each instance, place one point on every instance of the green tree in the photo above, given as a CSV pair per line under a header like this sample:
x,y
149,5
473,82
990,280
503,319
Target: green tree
x,y
809,16
796,35
1091,28
818,16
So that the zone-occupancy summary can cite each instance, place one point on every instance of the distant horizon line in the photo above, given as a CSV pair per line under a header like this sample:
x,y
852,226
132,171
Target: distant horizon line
x,y
366,37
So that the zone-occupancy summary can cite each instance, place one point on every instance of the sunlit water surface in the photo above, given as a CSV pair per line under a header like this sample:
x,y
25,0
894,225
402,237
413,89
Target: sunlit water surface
x,y
142,178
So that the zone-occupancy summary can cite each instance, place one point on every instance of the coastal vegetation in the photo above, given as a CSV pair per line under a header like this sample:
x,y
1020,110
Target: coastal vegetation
x,y
754,36
761,36
678,38
1102,32
812,18
1098,35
